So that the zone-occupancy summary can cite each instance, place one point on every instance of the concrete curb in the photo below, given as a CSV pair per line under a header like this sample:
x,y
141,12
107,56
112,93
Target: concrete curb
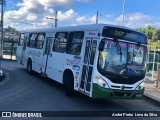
x,y
7,59
151,98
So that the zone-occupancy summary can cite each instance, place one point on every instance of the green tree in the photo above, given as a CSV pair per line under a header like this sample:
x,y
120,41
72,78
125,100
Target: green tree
x,y
149,35
153,35
11,30
157,36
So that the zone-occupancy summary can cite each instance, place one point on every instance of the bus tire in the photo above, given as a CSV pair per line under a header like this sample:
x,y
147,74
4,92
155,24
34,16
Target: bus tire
x,y
69,84
29,66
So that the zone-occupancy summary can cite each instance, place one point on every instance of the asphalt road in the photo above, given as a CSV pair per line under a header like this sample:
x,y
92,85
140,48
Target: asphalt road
x,y
20,91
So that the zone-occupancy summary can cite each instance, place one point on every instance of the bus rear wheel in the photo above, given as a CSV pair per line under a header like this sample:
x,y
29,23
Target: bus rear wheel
x,y
29,66
69,84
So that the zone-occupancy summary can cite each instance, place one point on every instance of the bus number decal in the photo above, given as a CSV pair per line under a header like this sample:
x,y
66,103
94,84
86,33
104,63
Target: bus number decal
x,y
135,67
76,84
77,79
68,62
119,33
76,63
37,54
91,33
110,42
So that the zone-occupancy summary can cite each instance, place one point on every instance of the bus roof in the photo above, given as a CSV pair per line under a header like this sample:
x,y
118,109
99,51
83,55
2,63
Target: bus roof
x,y
78,28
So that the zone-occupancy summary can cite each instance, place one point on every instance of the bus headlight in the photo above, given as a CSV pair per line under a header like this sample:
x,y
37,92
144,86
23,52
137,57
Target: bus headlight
x,y
101,82
140,86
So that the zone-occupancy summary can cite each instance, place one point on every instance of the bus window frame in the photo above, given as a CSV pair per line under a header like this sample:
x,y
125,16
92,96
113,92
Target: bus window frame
x,y
36,41
70,43
59,43
19,41
29,41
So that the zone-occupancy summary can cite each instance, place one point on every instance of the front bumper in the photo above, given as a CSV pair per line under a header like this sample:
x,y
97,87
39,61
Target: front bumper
x,y
103,93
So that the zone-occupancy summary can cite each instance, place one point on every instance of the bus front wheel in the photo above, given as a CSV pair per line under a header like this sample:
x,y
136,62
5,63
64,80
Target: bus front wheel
x,y
29,66
68,84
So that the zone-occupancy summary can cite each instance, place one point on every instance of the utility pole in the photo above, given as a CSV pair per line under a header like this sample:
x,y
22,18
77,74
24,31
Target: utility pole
x,y
2,2
97,17
154,56
123,10
55,19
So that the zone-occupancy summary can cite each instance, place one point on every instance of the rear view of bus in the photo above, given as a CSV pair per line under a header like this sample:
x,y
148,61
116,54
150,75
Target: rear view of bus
x,y
121,64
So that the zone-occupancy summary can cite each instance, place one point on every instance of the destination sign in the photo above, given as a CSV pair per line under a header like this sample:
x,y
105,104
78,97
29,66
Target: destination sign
x,y
124,34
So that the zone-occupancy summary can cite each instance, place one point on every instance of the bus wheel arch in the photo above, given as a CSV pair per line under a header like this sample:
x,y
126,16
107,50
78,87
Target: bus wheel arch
x,y
68,81
29,65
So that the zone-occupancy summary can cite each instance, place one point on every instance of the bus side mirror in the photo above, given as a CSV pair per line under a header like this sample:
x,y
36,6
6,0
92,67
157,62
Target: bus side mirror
x,y
101,45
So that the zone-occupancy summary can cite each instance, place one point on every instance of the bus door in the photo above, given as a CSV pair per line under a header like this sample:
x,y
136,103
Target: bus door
x,y
47,53
86,78
24,48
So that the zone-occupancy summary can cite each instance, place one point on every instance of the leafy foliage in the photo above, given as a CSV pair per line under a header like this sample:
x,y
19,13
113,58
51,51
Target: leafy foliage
x,y
153,35
11,30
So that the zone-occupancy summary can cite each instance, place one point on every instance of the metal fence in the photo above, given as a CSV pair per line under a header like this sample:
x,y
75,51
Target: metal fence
x,y
152,65
9,49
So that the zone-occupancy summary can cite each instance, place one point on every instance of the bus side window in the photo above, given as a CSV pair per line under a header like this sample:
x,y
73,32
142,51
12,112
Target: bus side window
x,y
40,41
60,42
21,39
75,41
32,40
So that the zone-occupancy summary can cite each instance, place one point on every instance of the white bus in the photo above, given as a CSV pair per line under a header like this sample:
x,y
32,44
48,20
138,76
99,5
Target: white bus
x,y
101,61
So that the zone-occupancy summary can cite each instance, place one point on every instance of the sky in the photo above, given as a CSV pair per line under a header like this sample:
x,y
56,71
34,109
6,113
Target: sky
x,y
31,14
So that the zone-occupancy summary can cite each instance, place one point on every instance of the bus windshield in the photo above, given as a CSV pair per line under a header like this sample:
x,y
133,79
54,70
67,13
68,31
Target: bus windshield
x,y
122,59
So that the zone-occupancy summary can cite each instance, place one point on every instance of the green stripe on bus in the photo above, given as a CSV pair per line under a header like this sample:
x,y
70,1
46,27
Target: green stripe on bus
x,y
103,93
